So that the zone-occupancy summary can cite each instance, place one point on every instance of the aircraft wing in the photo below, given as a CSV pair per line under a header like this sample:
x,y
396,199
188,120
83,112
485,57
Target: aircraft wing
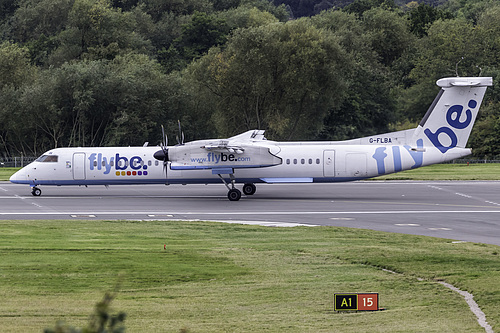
x,y
246,150
224,146
223,156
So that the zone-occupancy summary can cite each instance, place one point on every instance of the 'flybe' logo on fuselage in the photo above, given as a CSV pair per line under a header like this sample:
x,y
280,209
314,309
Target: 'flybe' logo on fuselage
x,y
453,119
119,164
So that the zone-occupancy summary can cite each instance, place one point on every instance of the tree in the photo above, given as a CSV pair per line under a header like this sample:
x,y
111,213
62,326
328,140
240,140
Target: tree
x,y
485,138
387,33
15,68
158,8
89,103
422,16
97,31
280,77
7,7
34,19
452,48
246,17
201,34
359,7
368,107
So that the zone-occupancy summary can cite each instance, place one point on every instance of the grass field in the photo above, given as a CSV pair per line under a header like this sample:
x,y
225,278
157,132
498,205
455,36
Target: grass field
x,y
216,277
489,171
5,173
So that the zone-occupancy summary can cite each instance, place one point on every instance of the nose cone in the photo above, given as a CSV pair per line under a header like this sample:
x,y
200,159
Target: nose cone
x,y
161,155
19,177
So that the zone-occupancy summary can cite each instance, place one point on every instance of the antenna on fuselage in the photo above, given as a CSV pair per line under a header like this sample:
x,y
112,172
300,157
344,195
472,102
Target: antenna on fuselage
x,y
456,66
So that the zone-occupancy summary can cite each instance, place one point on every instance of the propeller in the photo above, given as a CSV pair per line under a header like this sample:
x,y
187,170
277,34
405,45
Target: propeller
x,y
162,155
180,137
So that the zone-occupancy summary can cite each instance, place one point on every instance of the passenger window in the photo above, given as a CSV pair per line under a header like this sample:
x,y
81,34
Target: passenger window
x,y
302,161
310,161
149,163
95,163
156,163
287,161
294,161
112,163
317,161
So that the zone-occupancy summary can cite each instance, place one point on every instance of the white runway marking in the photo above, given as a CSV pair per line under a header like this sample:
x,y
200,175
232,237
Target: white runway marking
x,y
147,213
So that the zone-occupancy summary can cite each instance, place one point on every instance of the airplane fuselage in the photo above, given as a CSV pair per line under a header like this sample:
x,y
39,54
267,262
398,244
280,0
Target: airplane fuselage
x,y
298,163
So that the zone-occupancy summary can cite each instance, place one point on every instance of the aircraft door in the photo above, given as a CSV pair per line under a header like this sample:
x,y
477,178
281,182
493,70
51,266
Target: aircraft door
x,y
329,163
79,166
355,165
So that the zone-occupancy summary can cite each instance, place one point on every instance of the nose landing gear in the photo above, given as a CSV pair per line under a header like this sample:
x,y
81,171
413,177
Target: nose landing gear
x,y
36,192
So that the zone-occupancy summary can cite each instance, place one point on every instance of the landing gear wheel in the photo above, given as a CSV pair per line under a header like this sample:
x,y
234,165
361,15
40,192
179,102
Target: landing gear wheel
x,y
249,189
36,192
234,194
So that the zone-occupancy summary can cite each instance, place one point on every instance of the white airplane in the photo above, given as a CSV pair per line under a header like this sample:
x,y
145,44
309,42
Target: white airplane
x,y
249,158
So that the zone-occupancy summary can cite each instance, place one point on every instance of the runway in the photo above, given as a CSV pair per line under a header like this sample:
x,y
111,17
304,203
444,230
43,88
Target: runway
x,y
463,211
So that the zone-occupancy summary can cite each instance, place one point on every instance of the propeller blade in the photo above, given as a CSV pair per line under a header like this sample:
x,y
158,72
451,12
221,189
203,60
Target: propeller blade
x,y
180,137
162,154
163,136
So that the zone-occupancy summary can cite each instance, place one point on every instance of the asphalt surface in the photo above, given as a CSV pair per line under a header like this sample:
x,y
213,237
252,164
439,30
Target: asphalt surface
x,y
463,211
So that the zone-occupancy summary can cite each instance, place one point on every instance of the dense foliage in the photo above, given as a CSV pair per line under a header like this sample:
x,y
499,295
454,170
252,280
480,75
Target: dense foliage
x,y
109,72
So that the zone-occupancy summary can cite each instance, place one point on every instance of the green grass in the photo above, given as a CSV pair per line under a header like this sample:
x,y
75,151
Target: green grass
x,y
5,173
216,277
489,171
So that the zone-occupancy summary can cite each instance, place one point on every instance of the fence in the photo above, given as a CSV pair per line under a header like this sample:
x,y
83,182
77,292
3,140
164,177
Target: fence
x,y
472,161
16,162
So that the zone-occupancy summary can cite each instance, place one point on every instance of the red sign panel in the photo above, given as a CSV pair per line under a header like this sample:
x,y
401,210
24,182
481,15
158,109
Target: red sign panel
x,y
367,302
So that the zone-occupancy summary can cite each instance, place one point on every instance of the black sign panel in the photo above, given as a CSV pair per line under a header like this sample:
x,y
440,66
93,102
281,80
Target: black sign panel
x,y
346,302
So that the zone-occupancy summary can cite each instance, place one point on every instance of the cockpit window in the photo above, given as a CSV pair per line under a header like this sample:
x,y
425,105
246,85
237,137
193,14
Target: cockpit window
x,y
47,158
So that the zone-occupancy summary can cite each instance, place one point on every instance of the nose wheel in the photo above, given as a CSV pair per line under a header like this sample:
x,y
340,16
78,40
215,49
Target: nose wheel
x,y
36,192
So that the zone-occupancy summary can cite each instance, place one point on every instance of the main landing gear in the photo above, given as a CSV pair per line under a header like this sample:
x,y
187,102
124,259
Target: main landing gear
x,y
249,189
36,192
234,194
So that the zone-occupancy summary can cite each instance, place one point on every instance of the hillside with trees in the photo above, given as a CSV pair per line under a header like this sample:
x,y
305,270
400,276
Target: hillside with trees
x,y
110,72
